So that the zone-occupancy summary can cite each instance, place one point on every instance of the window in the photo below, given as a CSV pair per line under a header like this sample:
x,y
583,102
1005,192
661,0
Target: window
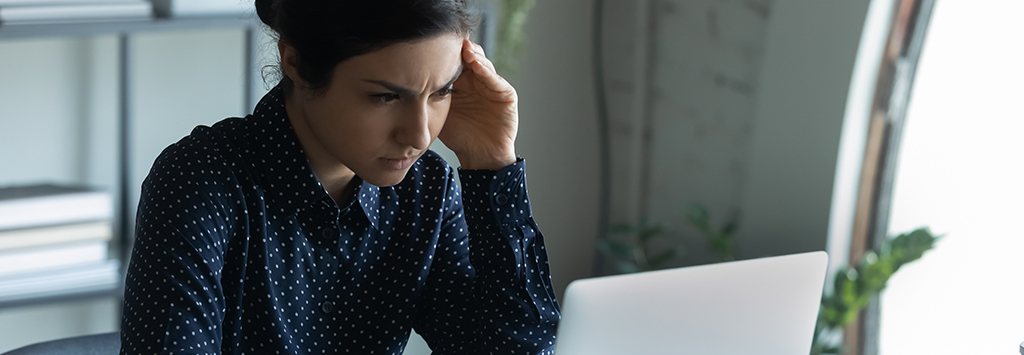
x,y
961,172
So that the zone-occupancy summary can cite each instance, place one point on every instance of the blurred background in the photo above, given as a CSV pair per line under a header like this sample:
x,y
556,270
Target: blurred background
x,y
750,121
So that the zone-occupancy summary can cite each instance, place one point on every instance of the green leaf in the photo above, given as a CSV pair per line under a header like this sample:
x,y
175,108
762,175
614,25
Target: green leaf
x,y
721,245
510,39
911,246
622,228
847,295
729,228
828,313
843,276
665,256
625,267
853,288
615,249
648,233
698,217
831,350
875,273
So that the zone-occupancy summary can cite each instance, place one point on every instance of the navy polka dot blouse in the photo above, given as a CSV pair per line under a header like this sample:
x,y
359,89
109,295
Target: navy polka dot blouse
x,y
239,250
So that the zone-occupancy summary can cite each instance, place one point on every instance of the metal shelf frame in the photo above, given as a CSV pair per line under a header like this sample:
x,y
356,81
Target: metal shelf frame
x,y
125,30
84,29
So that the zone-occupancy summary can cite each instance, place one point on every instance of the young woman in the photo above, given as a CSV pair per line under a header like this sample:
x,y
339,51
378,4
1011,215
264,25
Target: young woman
x,y
321,223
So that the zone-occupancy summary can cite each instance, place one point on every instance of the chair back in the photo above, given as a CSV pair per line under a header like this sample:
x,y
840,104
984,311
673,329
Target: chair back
x,y
96,344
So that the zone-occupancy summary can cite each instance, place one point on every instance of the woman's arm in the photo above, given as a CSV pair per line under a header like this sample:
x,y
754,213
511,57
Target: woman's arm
x,y
483,119
490,288
173,300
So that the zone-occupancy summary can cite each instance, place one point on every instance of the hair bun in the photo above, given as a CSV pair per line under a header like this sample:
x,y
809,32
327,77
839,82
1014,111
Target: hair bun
x,y
267,13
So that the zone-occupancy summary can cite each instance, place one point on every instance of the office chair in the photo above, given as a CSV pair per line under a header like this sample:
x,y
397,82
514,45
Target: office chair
x,y
96,344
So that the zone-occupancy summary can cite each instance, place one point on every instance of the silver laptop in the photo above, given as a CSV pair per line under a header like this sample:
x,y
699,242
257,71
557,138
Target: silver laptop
x,y
762,306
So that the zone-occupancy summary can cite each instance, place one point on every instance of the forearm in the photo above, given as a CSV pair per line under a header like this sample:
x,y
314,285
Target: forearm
x,y
507,251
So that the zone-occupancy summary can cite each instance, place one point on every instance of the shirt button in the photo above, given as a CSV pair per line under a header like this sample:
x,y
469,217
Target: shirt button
x,y
327,307
328,233
501,199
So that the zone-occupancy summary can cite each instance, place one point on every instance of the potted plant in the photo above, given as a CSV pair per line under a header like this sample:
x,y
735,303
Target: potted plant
x,y
853,288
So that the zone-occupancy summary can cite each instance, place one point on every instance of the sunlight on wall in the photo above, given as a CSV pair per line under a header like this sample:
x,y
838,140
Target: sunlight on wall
x,y
961,172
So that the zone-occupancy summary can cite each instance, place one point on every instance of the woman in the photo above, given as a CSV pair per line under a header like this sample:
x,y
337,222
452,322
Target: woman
x,y
321,223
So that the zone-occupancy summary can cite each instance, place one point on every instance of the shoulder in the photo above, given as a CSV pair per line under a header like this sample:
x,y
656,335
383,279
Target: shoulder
x,y
199,158
192,181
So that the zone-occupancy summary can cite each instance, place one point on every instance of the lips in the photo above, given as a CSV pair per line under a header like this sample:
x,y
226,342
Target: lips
x,y
399,163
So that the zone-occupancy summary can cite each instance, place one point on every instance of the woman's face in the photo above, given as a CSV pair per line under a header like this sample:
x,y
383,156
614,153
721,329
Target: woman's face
x,y
382,110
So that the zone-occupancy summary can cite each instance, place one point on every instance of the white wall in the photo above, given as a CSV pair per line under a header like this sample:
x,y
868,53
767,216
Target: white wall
x,y
745,102
181,80
705,69
558,134
810,51
39,99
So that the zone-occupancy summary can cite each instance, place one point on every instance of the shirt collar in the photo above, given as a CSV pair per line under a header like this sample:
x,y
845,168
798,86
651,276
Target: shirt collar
x,y
282,164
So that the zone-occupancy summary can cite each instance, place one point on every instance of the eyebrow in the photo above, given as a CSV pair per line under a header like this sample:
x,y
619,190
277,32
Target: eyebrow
x,y
407,92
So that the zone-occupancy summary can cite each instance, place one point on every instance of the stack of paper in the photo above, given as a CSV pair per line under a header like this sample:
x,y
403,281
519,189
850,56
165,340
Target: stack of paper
x,y
14,12
54,240
193,8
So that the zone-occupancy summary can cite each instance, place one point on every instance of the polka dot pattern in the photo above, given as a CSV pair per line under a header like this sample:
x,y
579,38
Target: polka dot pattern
x,y
239,250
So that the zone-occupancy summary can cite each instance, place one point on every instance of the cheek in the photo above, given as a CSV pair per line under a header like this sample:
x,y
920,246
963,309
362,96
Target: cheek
x,y
438,115
348,128
325,121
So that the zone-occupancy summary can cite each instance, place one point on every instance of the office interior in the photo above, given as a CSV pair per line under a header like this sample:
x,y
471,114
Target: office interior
x,y
756,110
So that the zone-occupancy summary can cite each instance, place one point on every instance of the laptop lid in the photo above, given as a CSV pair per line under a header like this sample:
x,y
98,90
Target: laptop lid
x,y
762,306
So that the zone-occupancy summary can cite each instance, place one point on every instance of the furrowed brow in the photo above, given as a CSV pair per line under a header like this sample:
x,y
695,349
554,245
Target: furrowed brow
x,y
408,92
458,72
394,88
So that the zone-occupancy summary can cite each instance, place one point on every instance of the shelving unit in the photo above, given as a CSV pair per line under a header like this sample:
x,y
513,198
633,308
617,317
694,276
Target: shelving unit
x,y
122,27
124,31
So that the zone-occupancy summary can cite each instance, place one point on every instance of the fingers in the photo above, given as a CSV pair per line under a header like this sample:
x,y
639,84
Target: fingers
x,y
489,79
482,57
473,52
495,87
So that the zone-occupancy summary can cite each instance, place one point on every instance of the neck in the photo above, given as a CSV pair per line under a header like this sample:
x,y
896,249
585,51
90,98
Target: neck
x,y
333,175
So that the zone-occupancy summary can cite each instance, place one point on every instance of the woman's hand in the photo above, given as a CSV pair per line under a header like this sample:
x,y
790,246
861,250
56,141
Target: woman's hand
x,y
484,116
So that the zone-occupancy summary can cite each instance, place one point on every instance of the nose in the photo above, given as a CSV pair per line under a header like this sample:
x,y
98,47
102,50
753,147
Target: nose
x,y
414,128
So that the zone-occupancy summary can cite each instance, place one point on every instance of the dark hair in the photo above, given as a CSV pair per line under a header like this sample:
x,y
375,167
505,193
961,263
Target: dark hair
x,y
327,32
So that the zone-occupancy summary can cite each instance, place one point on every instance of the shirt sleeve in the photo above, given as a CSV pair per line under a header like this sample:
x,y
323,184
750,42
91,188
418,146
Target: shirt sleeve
x,y
490,290
173,300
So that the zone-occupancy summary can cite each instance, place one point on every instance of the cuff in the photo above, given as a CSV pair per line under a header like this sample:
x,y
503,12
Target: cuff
x,y
504,189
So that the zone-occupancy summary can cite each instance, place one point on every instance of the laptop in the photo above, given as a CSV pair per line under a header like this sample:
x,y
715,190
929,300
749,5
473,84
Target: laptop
x,y
762,306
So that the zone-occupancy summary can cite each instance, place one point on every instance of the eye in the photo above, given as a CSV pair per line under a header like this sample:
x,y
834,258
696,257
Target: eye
x,y
385,98
445,92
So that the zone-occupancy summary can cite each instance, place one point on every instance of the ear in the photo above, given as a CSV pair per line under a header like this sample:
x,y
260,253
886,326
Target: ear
x,y
289,63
